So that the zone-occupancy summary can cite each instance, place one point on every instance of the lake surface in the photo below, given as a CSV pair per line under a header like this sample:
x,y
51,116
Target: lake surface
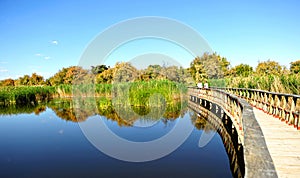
x,y
46,141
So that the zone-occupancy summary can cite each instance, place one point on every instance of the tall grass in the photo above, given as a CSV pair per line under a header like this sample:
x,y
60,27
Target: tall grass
x,y
25,94
217,82
152,93
281,84
141,93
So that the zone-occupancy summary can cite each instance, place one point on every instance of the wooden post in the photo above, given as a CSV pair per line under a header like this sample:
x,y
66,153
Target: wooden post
x,y
282,113
291,118
277,105
271,106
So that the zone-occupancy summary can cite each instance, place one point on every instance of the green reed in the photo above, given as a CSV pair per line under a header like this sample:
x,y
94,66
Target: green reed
x,y
141,93
25,94
282,84
151,93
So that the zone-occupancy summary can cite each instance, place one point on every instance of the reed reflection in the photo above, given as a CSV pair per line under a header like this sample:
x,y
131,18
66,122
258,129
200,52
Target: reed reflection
x,y
124,115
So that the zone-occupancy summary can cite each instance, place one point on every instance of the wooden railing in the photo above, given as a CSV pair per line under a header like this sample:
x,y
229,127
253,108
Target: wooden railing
x,y
286,107
228,135
230,104
223,102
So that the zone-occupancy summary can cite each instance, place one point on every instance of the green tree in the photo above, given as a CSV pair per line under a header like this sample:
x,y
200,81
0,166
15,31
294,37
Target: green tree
x,y
242,70
224,64
69,75
8,82
268,68
295,67
124,72
171,73
197,70
151,72
58,78
209,66
99,69
105,76
36,79
75,74
25,80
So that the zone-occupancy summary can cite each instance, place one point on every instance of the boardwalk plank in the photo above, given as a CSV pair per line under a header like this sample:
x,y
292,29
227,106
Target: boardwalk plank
x,y
283,142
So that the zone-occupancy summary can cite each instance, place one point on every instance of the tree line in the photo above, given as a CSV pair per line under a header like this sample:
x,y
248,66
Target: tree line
x,y
267,75
213,66
207,68
102,74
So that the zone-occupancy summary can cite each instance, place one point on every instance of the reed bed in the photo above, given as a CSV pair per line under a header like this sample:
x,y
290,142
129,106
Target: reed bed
x,y
141,93
281,84
151,93
25,94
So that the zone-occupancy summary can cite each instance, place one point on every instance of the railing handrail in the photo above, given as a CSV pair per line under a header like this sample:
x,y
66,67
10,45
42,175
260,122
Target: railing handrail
x,y
228,102
258,162
284,106
257,90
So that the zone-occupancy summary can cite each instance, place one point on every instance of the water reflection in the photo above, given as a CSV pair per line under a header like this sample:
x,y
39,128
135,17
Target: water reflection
x,y
67,110
81,110
22,109
203,119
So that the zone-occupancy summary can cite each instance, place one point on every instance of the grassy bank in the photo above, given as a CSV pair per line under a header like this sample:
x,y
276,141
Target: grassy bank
x,y
155,92
141,93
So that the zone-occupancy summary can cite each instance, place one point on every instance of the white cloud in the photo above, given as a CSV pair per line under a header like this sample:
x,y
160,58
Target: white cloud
x,y
38,55
42,56
3,62
55,42
3,70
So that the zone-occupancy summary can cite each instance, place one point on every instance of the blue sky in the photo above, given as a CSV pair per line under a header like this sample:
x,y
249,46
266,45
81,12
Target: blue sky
x,y
44,36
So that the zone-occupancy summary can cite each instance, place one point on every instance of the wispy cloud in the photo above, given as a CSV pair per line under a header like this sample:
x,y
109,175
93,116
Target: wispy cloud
x,y
2,70
38,55
42,56
55,42
3,62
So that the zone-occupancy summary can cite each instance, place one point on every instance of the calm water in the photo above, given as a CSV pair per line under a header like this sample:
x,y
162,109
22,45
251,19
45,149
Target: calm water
x,y
44,141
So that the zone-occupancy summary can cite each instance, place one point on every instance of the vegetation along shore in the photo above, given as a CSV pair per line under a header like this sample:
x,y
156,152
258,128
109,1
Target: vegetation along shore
x,y
155,85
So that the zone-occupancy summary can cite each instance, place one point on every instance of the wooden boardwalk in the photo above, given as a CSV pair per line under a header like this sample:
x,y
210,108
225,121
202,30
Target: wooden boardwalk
x,y
283,142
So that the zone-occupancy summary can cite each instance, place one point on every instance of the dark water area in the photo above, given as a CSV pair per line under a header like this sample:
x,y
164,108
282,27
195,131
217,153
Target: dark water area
x,y
47,141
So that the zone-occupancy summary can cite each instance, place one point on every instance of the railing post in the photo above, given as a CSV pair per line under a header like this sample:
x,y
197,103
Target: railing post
x,y
291,118
284,106
282,111
271,106
277,106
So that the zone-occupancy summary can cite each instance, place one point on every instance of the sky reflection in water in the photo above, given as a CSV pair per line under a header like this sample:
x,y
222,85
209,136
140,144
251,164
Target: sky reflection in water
x,y
47,145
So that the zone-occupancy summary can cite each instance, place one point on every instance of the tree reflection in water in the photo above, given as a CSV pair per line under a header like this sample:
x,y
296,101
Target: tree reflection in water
x,y
82,109
126,116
